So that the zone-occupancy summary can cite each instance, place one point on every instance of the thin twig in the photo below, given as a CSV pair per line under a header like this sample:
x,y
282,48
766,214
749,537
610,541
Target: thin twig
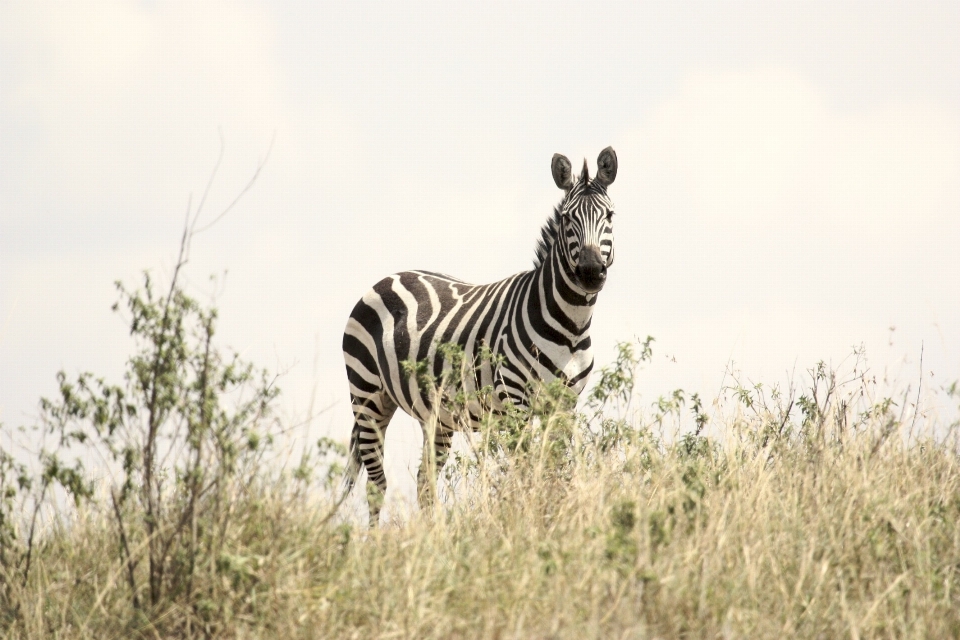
x,y
243,191
213,175
916,406
131,565
33,526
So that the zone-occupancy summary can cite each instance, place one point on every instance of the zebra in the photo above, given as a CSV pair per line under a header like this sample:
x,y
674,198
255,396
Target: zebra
x,y
534,324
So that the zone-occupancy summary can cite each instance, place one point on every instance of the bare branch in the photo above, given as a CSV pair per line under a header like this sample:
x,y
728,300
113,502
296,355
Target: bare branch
x,y
243,191
916,406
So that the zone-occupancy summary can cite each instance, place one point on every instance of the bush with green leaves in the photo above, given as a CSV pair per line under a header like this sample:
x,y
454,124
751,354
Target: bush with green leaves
x,y
176,440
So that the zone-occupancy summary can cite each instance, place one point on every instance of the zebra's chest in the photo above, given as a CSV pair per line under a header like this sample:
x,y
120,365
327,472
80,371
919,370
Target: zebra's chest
x,y
570,364
580,362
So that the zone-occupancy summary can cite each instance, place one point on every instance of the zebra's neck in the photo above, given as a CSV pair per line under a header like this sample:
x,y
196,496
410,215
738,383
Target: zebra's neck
x,y
564,301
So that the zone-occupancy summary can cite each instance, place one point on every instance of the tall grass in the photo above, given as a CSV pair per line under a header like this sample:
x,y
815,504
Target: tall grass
x,y
827,512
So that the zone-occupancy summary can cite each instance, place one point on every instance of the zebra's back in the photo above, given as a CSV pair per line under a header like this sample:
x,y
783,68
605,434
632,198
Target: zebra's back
x,y
406,317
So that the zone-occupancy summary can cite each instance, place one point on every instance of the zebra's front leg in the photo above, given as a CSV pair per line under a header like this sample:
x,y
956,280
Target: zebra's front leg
x,y
436,449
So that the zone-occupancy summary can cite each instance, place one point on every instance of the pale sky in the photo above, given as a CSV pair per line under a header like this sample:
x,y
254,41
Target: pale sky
x,y
789,181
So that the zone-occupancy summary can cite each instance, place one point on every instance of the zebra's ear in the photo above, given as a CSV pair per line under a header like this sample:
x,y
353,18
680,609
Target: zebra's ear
x,y
561,169
606,167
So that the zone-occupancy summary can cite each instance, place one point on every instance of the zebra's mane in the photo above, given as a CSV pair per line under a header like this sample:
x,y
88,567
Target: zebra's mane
x,y
548,235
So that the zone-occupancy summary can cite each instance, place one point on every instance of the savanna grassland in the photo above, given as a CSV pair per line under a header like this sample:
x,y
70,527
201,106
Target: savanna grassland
x,y
825,509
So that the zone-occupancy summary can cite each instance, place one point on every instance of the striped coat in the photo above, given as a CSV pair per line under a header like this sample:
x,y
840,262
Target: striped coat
x,y
530,327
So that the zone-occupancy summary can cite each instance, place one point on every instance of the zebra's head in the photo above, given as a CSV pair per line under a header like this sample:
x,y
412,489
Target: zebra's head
x,y
585,219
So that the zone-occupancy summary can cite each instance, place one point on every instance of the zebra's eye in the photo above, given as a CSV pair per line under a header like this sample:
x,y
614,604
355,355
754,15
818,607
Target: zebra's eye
x,y
610,214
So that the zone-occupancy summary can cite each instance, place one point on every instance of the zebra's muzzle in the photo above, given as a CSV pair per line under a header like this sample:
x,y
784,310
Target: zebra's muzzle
x,y
591,271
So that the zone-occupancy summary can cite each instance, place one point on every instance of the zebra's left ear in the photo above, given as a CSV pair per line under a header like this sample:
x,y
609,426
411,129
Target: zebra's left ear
x,y
606,167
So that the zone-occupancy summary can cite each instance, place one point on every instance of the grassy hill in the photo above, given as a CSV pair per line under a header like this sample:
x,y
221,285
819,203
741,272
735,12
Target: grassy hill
x,y
823,511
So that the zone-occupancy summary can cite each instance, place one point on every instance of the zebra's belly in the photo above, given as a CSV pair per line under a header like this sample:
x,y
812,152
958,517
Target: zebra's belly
x,y
446,399
464,404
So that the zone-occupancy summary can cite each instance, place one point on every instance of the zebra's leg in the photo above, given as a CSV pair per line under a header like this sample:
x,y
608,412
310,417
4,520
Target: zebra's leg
x,y
436,449
372,414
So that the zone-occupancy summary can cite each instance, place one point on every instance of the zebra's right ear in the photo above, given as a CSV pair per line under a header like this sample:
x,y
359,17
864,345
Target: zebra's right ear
x,y
562,172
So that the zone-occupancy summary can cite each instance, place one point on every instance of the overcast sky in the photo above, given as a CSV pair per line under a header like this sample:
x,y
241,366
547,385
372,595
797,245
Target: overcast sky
x,y
789,182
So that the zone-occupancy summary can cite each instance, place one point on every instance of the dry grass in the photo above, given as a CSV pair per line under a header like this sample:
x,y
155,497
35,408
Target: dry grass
x,y
832,527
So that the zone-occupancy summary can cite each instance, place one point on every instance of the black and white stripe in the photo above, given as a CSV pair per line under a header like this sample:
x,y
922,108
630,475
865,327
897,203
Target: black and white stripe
x,y
535,323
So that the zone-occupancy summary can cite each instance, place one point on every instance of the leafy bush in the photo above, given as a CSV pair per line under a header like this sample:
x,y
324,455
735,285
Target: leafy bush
x,y
180,438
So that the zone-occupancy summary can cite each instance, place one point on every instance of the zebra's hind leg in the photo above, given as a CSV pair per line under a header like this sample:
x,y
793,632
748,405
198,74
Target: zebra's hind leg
x,y
436,449
372,414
